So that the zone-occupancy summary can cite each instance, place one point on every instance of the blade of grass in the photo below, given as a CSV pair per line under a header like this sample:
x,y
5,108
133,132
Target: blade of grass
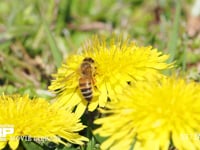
x,y
173,39
184,59
65,14
53,47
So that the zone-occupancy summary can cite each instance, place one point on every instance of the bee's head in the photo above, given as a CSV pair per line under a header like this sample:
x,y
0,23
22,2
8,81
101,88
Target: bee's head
x,y
88,59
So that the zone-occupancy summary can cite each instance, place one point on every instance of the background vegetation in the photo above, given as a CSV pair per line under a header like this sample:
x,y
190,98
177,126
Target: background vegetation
x,y
35,36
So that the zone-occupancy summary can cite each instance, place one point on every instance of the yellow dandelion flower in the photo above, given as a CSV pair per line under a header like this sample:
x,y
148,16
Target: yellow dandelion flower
x,y
114,65
36,118
153,116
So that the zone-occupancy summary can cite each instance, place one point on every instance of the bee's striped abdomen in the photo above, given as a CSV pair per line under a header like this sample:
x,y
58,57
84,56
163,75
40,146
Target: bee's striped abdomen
x,y
86,88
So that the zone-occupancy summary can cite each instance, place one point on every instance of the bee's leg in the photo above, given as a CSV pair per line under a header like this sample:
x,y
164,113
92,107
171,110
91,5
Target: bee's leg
x,y
93,84
96,88
92,80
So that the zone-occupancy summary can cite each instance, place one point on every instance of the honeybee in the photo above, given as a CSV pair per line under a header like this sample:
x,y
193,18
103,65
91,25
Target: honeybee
x,y
86,81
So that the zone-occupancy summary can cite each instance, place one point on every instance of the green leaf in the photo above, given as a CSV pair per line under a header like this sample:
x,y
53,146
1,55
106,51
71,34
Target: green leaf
x,y
31,146
91,144
99,139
